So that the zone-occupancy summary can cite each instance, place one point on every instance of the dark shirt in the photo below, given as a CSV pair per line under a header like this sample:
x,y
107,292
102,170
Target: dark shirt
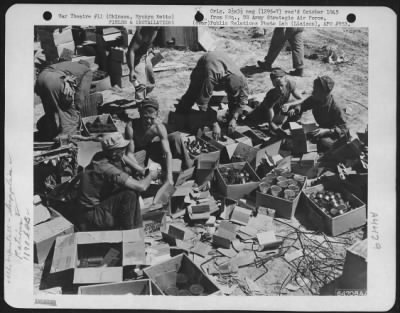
x,y
276,98
200,119
142,36
100,180
218,72
327,115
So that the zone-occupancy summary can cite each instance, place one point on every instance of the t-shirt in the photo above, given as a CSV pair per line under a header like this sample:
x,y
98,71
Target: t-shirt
x,y
276,98
327,115
100,180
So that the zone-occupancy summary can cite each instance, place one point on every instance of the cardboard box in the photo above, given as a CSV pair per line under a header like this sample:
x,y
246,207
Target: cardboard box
x,y
89,59
105,119
306,165
69,46
240,215
206,165
299,135
342,223
213,154
283,207
355,266
344,150
199,212
237,191
226,232
101,84
73,252
184,176
142,287
164,275
63,35
49,224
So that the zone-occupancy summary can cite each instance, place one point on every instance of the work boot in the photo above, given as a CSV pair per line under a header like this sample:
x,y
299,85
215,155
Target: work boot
x,y
297,72
265,66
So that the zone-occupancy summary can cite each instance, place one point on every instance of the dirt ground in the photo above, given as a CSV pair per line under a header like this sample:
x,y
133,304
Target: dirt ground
x,y
351,78
350,92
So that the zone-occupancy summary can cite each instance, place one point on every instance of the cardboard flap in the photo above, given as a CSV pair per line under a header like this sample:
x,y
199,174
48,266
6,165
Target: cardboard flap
x,y
133,235
134,253
99,236
266,238
164,193
95,275
295,126
184,176
184,189
140,157
176,165
308,128
65,251
202,208
285,163
227,230
51,228
240,215
176,231
230,149
41,214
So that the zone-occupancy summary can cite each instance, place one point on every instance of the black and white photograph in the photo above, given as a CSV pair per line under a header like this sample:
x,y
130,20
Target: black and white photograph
x,y
238,155
214,161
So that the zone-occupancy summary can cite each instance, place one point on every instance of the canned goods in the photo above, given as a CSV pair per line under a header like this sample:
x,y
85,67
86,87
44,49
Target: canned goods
x,y
181,280
184,292
196,289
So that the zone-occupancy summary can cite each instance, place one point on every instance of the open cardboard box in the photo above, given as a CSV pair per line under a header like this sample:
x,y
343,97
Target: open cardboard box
x,y
237,191
306,165
199,212
233,138
283,207
299,133
212,154
143,287
243,152
164,275
206,164
98,257
339,224
49,224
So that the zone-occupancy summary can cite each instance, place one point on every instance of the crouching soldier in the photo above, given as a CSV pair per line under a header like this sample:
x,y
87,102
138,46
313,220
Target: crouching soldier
x,y
150,134
108,197
273,108
216,71
326,112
